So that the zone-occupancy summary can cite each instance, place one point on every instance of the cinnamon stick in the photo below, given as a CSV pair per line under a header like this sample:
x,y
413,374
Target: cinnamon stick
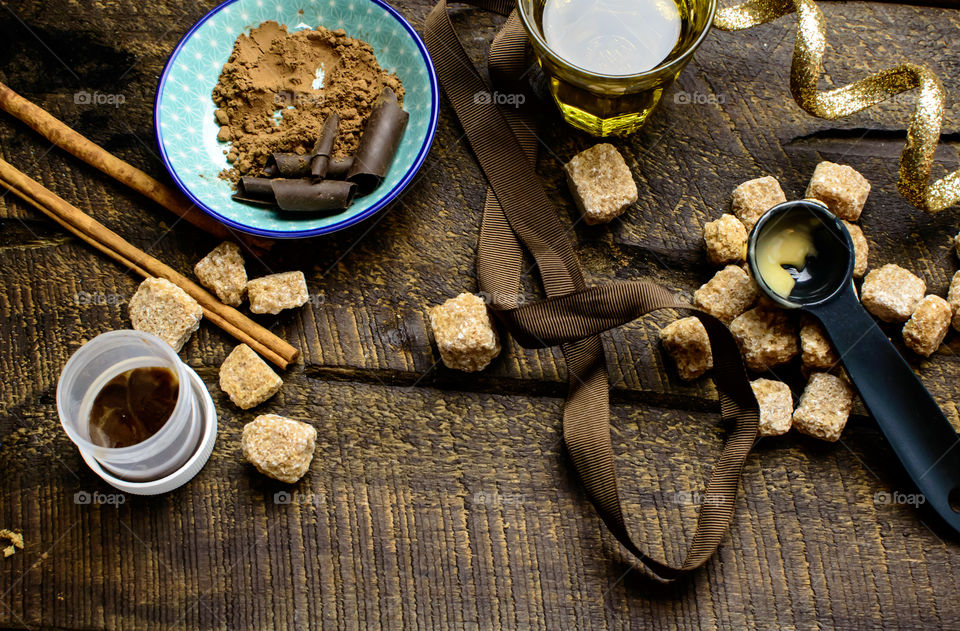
x,y
110,243
57,132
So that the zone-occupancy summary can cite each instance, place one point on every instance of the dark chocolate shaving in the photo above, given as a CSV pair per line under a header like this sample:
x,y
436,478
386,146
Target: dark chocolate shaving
x,y
306,196
320,156
288,165
255,191
379,143
339,167
263,203
255,187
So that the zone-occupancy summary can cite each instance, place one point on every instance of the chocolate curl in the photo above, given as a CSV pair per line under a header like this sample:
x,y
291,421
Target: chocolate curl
x,y
379,143
320,156
256,191
339,167
306,196
287,165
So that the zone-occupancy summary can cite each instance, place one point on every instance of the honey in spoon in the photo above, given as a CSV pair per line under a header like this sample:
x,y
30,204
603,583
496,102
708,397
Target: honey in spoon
x,y
789,244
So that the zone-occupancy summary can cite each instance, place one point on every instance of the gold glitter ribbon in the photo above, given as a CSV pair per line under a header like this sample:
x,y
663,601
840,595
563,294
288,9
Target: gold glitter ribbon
x,y
923,131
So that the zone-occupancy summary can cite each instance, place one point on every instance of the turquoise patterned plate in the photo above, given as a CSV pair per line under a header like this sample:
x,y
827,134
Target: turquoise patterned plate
x,y
187,132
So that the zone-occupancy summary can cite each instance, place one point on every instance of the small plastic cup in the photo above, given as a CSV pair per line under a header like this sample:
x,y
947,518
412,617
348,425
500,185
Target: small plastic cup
x,y
96,363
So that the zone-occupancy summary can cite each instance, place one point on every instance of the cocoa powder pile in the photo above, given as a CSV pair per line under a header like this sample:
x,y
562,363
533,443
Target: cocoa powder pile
x,y
277,88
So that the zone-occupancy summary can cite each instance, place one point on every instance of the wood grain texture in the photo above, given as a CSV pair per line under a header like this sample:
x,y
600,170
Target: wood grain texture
x,y
441,500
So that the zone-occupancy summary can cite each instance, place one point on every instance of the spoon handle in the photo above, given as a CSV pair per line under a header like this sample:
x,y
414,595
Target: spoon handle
x,y
913,423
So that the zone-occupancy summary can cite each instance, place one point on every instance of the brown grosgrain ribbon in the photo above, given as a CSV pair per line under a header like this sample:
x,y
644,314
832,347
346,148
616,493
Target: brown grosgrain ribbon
x,y
517,211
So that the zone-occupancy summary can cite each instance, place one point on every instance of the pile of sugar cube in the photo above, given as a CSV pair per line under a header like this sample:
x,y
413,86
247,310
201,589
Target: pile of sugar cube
x,y
162,308
770,336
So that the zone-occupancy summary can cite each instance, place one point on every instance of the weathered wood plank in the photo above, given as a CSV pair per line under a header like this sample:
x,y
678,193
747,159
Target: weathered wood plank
x,y
380,327
438,509
438,499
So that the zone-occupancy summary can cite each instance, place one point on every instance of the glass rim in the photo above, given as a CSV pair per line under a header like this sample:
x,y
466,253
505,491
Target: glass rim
x,y
529,25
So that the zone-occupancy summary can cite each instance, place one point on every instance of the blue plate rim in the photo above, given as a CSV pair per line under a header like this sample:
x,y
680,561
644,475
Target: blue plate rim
x,y
391,195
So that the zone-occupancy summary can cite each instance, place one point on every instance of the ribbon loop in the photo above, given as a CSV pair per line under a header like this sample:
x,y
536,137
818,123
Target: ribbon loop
x,y
518,213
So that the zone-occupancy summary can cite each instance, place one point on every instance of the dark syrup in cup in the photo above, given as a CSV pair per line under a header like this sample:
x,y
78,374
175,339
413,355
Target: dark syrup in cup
x,y
133,406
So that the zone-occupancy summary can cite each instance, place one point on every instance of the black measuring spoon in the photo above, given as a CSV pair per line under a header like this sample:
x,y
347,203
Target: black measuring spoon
x,y
913,423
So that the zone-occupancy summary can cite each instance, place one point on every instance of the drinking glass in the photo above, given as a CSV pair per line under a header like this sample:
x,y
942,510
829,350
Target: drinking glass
x,y
603,104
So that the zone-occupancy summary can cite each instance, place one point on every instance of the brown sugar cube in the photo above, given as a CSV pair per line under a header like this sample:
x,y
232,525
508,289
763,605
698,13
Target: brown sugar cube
x,y
824,407
953,297
891,293
776,406
464,333
276,292
163,309
861,249
729,293
247,379
726,240
601,183
924,331
766,337
222,272
755,197
279,447
841,188
817,353
687,343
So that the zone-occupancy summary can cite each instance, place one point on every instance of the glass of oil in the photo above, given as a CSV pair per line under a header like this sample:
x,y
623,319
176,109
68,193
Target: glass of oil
x,y
607,62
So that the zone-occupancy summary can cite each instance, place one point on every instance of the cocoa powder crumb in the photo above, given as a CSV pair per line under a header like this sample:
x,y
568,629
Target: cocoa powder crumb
x,y
277,88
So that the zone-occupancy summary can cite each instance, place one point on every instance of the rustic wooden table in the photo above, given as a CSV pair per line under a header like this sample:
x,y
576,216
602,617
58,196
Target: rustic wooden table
x,y
439,500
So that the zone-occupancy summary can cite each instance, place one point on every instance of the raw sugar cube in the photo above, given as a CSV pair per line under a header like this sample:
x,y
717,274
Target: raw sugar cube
x,y
464,332
247,379
276,292
687,343
222,272
766,337
776,406
891,293
165,310
824,407
729,293
841,188
601,183
861,249
817,353
726,240
953,297
926,328
279,447
755,197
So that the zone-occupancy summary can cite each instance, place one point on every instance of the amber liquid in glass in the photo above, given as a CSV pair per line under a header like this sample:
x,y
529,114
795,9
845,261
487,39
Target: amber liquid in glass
x,y
618,56
133,406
